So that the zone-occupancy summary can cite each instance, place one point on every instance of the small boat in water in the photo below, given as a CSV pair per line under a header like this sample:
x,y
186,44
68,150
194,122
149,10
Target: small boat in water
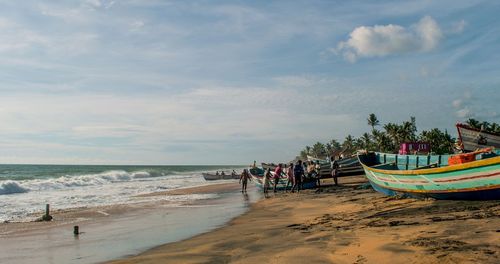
x,y
257,175
469,176
214,177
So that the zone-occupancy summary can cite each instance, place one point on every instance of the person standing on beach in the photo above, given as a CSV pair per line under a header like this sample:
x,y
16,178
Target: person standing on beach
x,y
277,176
289,175
244,178
334,166
266,179
298,173
317,168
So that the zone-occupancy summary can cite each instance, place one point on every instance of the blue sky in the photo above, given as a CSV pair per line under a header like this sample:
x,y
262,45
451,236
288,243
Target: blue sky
x,y
229,82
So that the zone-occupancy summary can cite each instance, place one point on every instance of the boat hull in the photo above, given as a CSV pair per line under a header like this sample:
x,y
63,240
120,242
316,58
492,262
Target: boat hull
x,y
472,139
213,177
478,180
493,194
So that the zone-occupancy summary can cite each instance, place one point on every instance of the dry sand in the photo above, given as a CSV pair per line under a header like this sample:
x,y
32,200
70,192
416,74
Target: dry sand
x,y
345,224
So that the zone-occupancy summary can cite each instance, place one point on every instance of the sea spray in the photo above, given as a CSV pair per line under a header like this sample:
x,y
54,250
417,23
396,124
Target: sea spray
x,y
11,187
25,189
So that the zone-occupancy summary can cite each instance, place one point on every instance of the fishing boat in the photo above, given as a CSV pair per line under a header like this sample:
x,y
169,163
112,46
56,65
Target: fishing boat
x,y
271,166
471,139
257,175
347,166
468,176
214,177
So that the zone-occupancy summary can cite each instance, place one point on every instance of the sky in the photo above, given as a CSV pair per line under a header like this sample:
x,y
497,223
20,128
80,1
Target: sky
x,y
230,82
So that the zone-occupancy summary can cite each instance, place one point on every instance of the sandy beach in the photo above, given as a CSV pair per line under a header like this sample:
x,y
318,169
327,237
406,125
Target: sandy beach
x,y
346,224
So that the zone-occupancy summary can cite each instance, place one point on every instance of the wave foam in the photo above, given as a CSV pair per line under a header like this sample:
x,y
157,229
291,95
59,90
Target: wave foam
x,y
98,179
11,187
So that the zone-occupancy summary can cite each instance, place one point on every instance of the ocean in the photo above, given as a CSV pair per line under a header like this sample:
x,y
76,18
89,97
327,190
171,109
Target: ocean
x,y
26,189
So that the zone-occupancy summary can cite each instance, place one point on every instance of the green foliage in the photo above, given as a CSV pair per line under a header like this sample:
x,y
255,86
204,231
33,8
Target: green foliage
x,y
390,138
348,146
484,125
318,150
373,121
441,142
473,123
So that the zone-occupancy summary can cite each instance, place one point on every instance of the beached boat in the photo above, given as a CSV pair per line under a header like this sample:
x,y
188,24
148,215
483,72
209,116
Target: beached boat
x,y
214,177
470,176
257,175
271,166
347,166
471,139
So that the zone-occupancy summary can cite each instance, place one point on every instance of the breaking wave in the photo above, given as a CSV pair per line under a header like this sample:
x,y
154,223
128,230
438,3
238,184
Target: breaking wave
x,y
11,187
107,177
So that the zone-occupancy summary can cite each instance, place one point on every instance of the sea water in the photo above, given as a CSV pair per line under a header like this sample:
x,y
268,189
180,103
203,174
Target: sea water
x,y
26,189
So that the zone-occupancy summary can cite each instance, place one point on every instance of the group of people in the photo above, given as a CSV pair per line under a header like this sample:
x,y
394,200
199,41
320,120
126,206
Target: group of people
x,y
233,173
221,173
295,174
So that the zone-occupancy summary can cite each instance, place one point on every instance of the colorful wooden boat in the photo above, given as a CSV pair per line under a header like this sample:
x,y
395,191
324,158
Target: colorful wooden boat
x,y
472,177
257,175
471,139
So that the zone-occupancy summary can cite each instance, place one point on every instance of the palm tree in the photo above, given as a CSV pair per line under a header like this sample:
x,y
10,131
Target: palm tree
x,y
485,126
393,132
441,143
318,150
373,121
348,144
335,144
408,130
473,123
303,155
366,141
495,128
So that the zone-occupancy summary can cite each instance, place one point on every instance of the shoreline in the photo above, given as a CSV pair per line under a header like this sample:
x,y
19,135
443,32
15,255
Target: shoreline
x,y
111,232
77,215
345,224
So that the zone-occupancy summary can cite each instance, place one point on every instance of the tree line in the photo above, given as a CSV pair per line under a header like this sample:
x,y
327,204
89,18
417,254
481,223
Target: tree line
x,y
389,138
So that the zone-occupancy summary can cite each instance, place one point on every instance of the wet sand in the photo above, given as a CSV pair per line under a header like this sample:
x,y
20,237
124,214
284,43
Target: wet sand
x,y
346,224
111,232
70,217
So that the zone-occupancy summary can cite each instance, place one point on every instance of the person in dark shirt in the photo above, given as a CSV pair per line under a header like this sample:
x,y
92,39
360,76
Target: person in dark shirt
x,y
244,178
298,172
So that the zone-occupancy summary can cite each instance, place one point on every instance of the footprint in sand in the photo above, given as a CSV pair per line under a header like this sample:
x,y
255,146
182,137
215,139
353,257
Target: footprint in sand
x,y
360,259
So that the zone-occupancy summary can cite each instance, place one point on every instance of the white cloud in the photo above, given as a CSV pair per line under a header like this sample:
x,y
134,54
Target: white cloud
x,y
297,81
383,40
94,3
16,38
136,25
464,106
464,113
457,103
458,27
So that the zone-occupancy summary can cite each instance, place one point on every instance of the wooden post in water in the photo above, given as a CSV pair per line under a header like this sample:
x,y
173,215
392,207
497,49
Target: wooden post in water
x,y
47,216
